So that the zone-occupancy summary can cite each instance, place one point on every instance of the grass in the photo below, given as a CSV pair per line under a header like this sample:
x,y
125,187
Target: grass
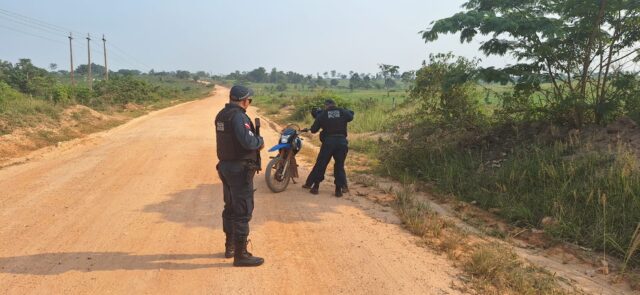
x,y
565,180
496,269
26,112
493,268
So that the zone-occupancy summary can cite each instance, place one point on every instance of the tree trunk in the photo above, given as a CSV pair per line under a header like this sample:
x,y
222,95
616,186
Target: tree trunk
x,y
587,61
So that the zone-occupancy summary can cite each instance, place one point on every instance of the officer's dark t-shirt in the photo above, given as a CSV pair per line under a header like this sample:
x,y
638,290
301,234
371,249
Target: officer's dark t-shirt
x,y
333,122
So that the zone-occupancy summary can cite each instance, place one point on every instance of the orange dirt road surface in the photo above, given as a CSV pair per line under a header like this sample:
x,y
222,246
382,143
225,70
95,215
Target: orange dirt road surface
x,y
136,210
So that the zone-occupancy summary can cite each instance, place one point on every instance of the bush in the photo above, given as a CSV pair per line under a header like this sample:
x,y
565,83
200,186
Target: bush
x,y
282,86
125,89
62,94
304,105
7,93
444,91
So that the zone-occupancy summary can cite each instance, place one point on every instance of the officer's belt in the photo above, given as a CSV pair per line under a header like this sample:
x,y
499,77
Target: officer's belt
x,y
336,135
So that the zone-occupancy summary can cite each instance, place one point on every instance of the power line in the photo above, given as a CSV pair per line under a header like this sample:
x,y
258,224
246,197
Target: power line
x,y
59,31
37,21
33,26
31,34
126,54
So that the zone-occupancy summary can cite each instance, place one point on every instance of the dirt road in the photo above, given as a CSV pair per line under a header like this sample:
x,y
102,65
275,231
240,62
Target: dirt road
x,y
136,210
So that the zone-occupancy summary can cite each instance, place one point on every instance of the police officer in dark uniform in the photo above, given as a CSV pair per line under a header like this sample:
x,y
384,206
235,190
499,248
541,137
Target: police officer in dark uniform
x,y
238,146
333,122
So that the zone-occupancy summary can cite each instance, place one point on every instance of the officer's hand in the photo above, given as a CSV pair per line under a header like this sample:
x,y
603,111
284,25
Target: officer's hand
x,y
261,147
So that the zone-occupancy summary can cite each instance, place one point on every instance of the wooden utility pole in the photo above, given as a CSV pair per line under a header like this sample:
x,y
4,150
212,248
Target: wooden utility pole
x,y
90,80
73,83
106,67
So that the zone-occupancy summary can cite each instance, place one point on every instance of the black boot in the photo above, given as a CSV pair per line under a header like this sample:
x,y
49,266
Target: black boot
x,y
242,257
345,189
338,191
315,188
229,247
306,186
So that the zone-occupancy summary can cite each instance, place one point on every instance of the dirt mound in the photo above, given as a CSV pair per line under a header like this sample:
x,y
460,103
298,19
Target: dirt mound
x,y
74,122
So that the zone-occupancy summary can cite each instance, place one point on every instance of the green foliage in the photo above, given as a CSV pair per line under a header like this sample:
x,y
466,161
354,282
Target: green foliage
x,y
304,105
123,90
7,93
62,94
443,91
566,181
281,86
604,37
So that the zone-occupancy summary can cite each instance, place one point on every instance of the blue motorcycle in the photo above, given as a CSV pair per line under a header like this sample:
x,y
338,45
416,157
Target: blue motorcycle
x,y
283,167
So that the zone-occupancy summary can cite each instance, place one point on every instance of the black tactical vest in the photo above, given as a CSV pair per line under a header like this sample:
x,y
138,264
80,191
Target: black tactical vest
x,y
334,122
229,148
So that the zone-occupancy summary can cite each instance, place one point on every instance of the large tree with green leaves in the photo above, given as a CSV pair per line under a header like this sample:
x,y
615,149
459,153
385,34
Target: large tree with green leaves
x,y
580,47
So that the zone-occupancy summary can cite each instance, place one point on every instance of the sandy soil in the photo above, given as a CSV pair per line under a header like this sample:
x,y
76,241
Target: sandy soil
x,y
136,210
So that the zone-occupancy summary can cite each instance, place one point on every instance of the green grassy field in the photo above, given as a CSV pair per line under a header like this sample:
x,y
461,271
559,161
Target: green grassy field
x,y
373,107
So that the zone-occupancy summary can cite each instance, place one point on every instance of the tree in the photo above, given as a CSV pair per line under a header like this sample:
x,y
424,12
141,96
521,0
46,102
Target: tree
x,y
183,74
408,77
333,73
355,81
273,77
334,82
22,76
388,72
442,91
127,72
581,47
53,67
258,75
96,70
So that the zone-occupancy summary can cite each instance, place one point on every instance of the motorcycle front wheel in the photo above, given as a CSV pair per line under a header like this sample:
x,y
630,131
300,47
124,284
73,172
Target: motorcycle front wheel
x,y
277,174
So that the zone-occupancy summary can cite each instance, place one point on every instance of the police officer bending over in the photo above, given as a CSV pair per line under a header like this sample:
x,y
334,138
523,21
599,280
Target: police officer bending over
x,y
333,121
238,146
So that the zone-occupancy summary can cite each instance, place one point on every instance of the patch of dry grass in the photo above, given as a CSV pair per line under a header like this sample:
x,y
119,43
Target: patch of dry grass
x,y
496,269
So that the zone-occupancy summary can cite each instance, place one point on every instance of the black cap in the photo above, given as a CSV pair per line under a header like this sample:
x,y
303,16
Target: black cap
x,y
239,92
329,102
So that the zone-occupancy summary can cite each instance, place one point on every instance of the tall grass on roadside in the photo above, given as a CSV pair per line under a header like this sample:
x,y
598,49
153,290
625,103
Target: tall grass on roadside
x,y
496,269
417,216
25,112
564,181
373,119
633,247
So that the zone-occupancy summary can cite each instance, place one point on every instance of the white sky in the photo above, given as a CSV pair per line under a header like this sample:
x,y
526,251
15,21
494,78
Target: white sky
x,y
223,36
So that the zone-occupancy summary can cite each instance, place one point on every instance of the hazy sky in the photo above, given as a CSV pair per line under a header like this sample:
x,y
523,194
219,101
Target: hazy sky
x,y
221,36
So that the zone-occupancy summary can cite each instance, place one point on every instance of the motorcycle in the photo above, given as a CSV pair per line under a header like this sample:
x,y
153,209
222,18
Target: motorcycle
x,y
283,168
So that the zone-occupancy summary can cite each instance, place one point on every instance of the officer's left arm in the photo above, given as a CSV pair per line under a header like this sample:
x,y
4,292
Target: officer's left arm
x,y
242,131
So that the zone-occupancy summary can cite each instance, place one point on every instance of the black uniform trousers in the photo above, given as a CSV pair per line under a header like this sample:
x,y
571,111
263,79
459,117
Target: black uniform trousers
x,y
237,182
336,147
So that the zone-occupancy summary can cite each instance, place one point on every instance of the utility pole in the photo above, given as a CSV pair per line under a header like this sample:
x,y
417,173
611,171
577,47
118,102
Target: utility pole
x,y
106,68
73,83
89,63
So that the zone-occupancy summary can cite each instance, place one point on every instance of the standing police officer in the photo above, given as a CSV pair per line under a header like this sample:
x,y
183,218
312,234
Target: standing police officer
x,y
238,146
333,121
